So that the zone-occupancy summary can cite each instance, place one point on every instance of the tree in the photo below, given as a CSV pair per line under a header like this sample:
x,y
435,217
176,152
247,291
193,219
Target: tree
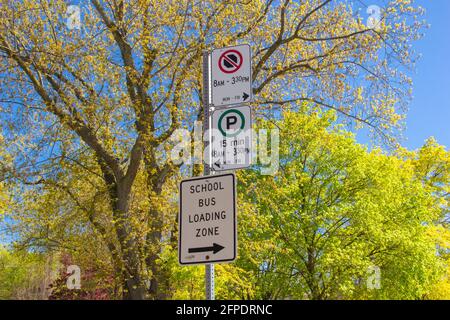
x,y
115,89
432,166
24,275
338,221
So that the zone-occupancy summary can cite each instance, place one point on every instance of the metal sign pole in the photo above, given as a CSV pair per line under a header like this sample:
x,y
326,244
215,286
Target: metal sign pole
x,y
209,268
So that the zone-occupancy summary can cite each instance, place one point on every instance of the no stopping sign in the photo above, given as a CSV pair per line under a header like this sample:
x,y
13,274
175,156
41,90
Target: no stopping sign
x,y
230,61
231,75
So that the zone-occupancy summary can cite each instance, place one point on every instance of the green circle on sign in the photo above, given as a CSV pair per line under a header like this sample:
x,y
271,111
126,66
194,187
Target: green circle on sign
x,y
242,122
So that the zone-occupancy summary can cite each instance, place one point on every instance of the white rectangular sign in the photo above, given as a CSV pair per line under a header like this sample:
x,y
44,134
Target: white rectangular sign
x,y
231,75
231,140
207,220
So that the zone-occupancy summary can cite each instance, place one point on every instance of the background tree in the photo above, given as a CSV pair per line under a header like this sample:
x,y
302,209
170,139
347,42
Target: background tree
x,y
335,211
106,95
24,275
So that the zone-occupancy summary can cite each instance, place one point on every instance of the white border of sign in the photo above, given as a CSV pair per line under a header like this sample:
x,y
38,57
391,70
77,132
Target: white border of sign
x,y
180,223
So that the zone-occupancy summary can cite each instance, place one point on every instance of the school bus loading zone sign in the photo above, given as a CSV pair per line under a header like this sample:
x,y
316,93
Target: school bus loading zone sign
x,y
207,220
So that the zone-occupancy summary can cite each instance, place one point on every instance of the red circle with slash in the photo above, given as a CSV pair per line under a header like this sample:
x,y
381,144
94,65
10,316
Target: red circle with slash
x,y
230,61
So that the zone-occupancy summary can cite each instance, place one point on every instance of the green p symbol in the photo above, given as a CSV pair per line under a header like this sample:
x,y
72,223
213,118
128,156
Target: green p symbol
x,y
231,118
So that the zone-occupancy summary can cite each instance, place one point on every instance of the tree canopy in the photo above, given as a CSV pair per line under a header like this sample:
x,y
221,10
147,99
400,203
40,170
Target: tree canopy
x,y
88,111
334,212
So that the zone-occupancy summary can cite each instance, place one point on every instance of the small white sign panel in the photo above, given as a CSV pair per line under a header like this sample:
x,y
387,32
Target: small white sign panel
x,y
231,139
207,220
231,75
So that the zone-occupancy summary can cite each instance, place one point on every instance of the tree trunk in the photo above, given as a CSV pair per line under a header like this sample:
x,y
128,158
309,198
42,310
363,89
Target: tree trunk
x,y
153,238
312,280
133,286
133,290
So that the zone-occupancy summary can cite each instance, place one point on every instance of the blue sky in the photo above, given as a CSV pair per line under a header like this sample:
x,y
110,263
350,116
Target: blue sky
x,y
429,113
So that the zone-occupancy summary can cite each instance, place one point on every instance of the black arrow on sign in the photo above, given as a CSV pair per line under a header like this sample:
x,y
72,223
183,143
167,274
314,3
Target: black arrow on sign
x,y
245,96
215,248
217,164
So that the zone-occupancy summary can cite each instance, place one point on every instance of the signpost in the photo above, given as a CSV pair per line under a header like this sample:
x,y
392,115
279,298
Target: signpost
x,y
207,217
207,220
209,268
231,139
231,75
